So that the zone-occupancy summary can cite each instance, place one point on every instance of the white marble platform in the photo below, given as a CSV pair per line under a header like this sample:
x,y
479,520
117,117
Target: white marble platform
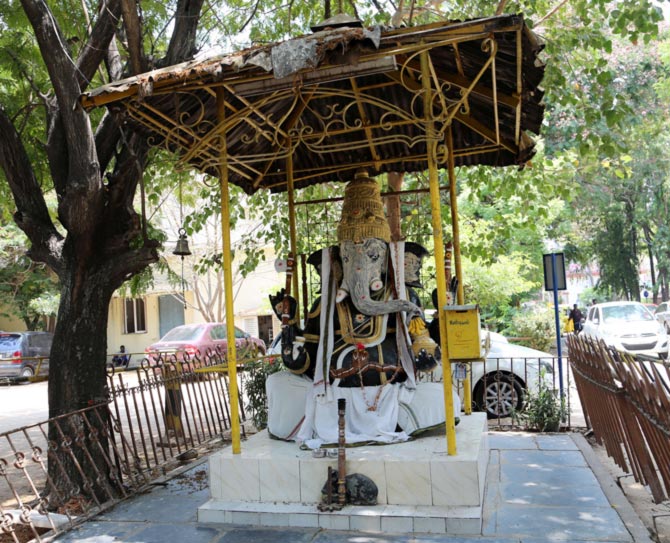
x,y
421,487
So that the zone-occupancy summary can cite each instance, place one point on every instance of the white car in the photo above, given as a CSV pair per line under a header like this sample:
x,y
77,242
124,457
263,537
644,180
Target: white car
x,y
501,383
502,380
662,314
627,326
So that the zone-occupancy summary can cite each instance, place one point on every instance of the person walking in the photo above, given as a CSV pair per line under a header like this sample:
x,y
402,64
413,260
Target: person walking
x,y
576,317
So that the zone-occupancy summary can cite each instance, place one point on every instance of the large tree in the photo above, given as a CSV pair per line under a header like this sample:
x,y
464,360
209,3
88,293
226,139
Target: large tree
x,y
98,240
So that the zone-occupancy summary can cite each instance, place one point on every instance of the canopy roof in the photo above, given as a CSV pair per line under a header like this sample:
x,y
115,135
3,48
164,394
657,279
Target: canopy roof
x,y
341,99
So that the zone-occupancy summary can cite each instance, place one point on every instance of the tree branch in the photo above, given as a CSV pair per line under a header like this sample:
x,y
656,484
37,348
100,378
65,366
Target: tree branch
x,y
119,216
65,77
251,16
57,150
27,75
32,215
133,28
128,263
182,44
96,48
106,139
81,190
114,62
551,12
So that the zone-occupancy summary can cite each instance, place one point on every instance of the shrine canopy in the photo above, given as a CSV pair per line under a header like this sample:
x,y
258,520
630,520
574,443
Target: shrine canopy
x,y
341,99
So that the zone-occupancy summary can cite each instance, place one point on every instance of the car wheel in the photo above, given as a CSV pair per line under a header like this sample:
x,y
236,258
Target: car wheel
x,y
27,371
667,326
499,394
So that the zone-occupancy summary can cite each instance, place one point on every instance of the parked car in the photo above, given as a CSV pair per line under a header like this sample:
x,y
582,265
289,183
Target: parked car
x,y
662,314
500,384
627,326
20,352
195,339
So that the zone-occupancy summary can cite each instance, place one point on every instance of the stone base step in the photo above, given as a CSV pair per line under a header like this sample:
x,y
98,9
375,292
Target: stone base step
x,y
380,518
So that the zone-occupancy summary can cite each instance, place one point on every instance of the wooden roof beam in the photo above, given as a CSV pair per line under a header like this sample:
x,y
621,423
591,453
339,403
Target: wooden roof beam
x,y
307,174
292,117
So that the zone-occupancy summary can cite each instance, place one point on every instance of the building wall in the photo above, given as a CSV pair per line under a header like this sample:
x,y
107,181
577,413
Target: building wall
x,y
251,300
11,324
136,342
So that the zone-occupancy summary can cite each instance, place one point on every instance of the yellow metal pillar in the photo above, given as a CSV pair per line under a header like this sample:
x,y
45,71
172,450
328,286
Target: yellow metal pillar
x,y
456,243
228,277
436,213
292,232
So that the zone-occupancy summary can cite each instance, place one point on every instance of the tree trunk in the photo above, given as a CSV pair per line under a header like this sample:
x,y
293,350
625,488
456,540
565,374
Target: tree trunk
x,y
81,333
654,290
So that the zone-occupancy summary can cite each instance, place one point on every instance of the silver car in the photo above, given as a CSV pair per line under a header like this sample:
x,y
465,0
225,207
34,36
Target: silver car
x,y
502,379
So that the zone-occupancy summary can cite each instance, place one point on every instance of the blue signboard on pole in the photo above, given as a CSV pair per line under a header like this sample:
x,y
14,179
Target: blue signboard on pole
x,y
554,280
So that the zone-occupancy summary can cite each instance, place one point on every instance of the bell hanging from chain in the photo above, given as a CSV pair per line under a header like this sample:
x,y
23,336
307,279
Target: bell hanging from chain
x,y
181,249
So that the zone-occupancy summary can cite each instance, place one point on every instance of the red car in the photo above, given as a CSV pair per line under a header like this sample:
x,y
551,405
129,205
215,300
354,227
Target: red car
x,y
199,338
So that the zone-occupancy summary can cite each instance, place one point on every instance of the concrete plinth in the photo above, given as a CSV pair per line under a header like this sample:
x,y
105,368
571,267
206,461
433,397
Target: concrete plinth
x,y
421,487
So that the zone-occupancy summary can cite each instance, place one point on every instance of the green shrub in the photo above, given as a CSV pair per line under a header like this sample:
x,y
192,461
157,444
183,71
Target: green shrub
x,y
536,325
543,410
254,385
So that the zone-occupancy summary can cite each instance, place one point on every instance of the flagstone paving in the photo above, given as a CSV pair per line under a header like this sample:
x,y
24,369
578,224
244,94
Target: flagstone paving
x,y
540,488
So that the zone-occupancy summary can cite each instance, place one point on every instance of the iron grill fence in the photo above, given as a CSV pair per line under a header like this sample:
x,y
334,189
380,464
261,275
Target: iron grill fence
x,y
156,417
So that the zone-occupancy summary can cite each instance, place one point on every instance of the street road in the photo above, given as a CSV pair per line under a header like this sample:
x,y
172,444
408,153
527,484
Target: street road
x,y
23,404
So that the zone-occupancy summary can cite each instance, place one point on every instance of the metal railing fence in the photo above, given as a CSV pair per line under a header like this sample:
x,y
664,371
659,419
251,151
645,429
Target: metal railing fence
x,y
157,416
626,401
24,368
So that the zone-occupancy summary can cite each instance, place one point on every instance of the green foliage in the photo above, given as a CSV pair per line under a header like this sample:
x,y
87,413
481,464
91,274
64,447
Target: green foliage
x,y
494,285
619,267
28,290
254,387
536,324
543,410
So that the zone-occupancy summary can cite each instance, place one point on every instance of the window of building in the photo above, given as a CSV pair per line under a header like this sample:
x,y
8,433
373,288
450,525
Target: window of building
x,y
135,316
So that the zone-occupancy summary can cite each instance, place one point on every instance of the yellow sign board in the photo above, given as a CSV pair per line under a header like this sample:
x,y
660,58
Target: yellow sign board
x,y
463,341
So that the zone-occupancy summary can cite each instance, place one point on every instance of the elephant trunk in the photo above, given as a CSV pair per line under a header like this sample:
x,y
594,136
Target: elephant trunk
x,y
363,301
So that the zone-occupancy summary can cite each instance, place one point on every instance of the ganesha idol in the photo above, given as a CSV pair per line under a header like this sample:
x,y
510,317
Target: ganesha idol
x,y
365,340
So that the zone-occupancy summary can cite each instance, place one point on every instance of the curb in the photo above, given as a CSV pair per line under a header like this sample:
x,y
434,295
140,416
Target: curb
x,y
613,493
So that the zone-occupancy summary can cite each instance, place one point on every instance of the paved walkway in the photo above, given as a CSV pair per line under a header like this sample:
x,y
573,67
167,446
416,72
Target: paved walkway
x,y
540,488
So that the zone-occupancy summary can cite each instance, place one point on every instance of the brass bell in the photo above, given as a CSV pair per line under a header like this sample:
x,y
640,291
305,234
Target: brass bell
x,y
181,249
